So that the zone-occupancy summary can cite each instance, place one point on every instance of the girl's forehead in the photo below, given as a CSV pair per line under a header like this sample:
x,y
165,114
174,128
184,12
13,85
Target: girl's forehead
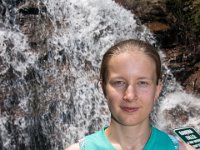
x,y
131,59
132,65
131,53
136,59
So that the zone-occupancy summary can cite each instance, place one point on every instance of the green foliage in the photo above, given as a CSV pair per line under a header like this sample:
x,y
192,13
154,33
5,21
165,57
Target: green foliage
x,y
196,12
187,13
186,10
197,18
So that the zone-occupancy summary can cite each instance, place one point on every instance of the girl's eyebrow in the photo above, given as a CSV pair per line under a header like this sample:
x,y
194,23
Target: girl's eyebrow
x,y
140,78
117,78
145,78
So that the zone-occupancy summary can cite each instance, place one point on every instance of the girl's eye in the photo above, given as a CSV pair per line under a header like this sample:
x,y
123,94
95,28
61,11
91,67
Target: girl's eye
x,y
143,83
119,83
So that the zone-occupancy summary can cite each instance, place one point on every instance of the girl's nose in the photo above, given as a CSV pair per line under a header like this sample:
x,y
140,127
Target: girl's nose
x,y
130,93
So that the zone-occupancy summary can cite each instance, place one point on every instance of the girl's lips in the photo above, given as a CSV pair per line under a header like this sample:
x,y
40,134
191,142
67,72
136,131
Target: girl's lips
x,y
130,109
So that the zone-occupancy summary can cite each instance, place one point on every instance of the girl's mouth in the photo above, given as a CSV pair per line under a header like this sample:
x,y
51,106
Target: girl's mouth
x,y
129,109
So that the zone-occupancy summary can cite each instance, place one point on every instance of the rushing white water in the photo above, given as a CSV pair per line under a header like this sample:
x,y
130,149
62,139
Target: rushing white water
x,y
51,97
177,110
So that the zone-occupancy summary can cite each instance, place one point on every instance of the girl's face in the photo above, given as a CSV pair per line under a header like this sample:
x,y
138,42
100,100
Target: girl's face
x,y
131,88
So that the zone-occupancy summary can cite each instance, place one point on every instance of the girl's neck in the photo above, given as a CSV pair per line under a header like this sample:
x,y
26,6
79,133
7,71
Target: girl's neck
x,y
128,137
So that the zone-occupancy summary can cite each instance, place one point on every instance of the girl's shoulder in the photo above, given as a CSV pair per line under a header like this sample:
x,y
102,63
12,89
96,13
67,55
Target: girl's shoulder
x,y
73,147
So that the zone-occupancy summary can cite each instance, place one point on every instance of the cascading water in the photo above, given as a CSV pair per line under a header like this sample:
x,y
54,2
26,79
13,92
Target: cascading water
x,y
50,53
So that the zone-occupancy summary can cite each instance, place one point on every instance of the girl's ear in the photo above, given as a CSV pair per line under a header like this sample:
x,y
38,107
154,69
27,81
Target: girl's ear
x,y
158,90
103,87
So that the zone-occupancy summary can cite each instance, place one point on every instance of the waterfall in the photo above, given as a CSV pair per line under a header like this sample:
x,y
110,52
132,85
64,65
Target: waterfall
x,y
50,53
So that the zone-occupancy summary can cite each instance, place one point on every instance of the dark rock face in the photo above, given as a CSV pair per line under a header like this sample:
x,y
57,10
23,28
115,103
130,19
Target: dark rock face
x,y
184,63
32,18
180,43
35,23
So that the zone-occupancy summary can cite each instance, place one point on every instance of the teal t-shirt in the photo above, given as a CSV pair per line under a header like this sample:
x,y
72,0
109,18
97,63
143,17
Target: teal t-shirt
x,y
158,140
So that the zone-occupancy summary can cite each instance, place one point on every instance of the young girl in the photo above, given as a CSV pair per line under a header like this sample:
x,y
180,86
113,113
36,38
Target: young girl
x,y
131,81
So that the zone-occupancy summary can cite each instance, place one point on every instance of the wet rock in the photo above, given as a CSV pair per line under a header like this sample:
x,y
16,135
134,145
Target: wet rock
x,y
35,23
